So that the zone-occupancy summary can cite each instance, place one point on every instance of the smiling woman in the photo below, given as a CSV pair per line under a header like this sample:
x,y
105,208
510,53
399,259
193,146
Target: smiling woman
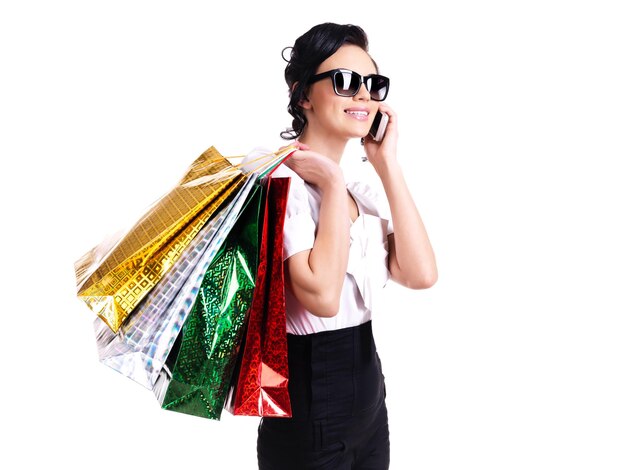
x,y
342,243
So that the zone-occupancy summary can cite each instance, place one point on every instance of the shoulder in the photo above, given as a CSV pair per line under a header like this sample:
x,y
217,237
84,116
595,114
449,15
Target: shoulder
x,y
369,196
302,197
297,186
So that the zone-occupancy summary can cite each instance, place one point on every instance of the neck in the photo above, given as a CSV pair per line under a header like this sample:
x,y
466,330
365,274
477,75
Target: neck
x,y
324,143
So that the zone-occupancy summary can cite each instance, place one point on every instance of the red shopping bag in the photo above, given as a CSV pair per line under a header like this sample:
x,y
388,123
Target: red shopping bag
x,y
260,388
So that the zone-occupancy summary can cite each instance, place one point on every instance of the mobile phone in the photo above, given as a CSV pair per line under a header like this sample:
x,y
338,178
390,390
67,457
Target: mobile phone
x,y
377,131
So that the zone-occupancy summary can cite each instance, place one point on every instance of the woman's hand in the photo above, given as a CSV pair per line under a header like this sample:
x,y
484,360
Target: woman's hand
x,y
384,152
314,168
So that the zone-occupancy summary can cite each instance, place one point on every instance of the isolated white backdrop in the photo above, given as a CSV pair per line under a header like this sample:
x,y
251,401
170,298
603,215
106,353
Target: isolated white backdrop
x,y
512,130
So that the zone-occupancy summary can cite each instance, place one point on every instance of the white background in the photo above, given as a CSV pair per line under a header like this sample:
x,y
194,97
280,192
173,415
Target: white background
x,y
512,122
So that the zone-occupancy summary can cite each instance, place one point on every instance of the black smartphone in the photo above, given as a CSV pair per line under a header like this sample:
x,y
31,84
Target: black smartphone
x,y
377,131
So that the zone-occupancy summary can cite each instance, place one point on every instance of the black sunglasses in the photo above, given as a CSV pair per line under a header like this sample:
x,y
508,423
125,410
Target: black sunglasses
x,y
348,83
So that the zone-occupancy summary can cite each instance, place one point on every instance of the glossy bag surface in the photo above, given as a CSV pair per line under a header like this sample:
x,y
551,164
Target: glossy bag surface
x,y
260,387
198,371
112,279
142,344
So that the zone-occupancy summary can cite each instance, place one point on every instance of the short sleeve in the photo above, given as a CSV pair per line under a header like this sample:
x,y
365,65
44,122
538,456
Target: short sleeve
x,y
299,229
374,202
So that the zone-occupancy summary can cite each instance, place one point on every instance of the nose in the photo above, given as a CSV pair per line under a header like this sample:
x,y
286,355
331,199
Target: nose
x,y
362,94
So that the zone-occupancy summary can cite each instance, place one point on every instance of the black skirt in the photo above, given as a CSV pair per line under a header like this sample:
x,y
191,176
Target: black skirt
x,y
337,392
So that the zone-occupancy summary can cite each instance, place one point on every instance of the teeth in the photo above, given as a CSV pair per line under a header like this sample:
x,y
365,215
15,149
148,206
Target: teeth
x,y
358,113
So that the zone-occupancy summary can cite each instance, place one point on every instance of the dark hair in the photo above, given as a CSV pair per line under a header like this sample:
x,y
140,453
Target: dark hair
x,y
308,52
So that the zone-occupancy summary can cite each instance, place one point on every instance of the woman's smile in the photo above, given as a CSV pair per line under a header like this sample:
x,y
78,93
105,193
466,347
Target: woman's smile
x,y
359,113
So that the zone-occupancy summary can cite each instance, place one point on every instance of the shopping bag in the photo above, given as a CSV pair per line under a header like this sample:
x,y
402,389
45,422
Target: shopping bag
x,y
112,281
166,255
142,344
198,371
260,387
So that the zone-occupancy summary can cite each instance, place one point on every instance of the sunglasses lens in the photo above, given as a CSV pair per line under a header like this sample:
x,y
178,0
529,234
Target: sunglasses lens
x,y
378,87
346,83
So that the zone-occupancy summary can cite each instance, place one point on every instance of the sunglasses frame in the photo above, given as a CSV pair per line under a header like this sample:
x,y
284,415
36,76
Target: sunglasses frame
x,y
362,81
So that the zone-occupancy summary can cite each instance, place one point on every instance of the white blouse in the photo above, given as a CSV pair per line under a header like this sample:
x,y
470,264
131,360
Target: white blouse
x,y
367,271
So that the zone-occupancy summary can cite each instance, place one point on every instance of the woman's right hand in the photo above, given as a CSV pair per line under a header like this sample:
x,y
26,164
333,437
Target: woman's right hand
x,y
315,168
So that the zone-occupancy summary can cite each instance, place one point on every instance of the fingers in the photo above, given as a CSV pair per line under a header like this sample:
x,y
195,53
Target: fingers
x,y
298,158
307,160
385,108
298,145
392,124
301,146
393,117
288,162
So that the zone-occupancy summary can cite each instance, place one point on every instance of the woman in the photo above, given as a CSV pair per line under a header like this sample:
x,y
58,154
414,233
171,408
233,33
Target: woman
x,y
340,248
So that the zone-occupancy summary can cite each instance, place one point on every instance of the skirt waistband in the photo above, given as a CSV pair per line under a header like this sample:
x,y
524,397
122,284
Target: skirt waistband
x,y
334,373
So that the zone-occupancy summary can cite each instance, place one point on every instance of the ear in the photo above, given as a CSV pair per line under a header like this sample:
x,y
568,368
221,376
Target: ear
x,y
304,103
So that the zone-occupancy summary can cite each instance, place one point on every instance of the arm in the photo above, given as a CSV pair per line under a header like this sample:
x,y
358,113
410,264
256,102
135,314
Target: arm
x,y
316,276
411,257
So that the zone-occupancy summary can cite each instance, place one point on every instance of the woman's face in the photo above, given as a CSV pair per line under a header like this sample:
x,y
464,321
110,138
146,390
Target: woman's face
x,y
345,117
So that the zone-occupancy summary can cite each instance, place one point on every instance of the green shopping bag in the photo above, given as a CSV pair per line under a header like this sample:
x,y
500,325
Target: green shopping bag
x,y
198,370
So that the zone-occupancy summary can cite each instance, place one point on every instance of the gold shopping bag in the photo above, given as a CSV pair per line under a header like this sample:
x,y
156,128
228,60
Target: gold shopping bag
x,y
112,279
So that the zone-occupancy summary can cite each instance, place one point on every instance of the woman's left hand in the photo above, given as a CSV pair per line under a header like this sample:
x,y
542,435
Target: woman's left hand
x,y
379,153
